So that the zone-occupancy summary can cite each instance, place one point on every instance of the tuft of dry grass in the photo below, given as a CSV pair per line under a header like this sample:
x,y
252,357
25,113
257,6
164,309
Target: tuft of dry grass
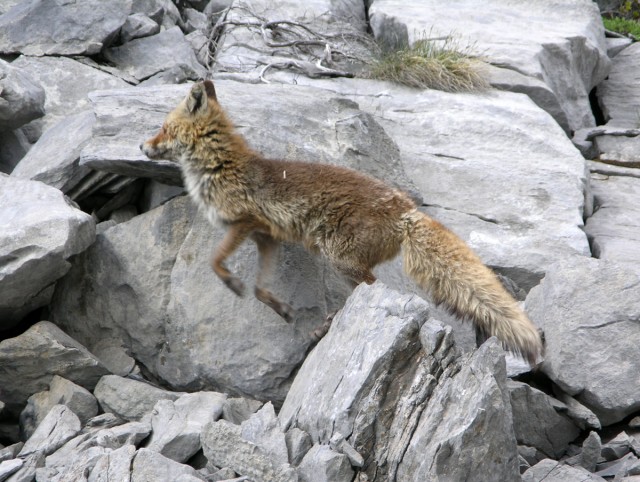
x,y
431,64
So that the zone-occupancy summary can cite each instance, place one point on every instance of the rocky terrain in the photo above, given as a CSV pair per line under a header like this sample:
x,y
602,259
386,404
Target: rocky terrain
x,y
123,357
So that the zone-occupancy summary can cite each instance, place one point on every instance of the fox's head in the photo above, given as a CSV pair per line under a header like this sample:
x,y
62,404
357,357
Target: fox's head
x,y
185,126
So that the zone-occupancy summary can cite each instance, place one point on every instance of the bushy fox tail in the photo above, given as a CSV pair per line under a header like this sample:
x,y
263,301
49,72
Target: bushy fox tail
x,y
443,265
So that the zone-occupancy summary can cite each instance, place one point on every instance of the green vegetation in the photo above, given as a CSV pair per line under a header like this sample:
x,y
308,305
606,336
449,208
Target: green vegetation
x,y
431,64
623,26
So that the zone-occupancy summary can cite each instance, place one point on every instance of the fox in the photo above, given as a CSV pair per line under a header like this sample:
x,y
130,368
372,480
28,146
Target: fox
x,y
355,221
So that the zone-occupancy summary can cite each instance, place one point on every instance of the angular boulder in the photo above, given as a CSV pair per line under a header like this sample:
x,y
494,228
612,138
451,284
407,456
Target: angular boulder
x,y
537,423
40,230
445,415
588,309
31,360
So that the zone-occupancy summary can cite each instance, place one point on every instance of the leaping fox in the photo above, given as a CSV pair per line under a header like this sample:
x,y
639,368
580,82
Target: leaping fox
x,y
354,220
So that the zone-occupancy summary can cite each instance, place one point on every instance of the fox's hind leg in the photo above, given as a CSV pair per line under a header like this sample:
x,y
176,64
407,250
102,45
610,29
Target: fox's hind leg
x,y
267,255
232,240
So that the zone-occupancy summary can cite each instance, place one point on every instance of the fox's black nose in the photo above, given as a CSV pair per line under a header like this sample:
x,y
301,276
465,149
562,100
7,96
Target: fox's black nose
x,y
142,146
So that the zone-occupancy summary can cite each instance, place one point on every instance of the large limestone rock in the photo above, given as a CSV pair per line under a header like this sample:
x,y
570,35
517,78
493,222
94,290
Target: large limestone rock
x,y
54,27
39,231
445,416
561,42
30,361
588,311
536,421
188,328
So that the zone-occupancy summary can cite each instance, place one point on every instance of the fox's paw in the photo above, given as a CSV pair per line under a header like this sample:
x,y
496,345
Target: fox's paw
x,y
323,329
286,311
235,285
283,309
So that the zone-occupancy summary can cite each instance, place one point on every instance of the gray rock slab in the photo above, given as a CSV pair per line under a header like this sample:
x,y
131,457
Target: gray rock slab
x,y
149,466
31,360
345,387
66,83
536,422
54,159
22,98
561,43
619,95
144,57
59,426
321,464
614,227
224,446
588,310
61,392
177,424
39,231
114,466
48,27
553,471
129,399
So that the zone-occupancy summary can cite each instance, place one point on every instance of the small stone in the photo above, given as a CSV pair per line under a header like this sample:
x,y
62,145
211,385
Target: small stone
x,y
321,464
617,447
591,450
298,444
59,426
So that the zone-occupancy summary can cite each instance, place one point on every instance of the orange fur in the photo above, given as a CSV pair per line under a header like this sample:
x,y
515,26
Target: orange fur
x,y
354,220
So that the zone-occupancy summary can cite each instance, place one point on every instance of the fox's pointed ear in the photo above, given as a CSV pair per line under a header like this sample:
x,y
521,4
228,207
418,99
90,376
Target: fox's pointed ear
x,y
197,99
210,89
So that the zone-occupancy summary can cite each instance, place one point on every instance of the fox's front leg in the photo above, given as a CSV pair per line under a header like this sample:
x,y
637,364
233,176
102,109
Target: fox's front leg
x,y
232,240
267,255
